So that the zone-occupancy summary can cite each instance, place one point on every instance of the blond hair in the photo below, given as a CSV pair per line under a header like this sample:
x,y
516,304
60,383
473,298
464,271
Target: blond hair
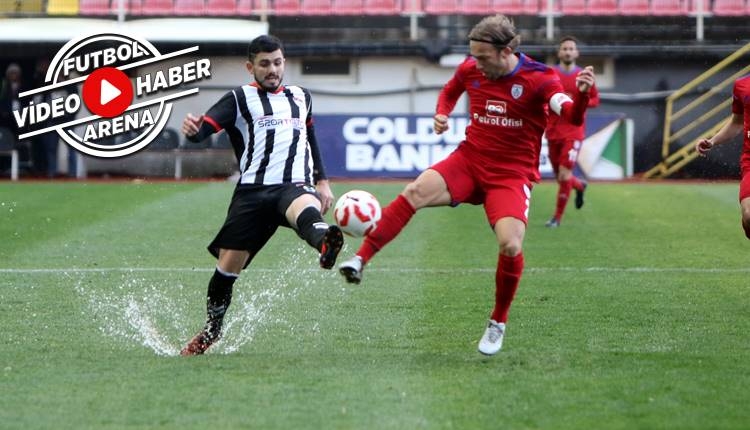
x,y
498,30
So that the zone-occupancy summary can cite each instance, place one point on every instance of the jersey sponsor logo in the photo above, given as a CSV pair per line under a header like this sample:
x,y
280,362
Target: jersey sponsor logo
x,y
271,122
496,108
121,117
516,91
499,121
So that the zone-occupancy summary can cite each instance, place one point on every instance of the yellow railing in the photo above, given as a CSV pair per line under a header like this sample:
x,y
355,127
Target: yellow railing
x,y
703,125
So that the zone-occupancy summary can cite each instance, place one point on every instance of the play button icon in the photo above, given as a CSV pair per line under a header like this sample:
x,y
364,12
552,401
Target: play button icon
x,y
107,92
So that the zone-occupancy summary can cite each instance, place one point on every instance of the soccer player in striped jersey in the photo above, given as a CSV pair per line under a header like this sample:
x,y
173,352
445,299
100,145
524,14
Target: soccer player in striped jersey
x,y
282,182
739,122
497,163
563,138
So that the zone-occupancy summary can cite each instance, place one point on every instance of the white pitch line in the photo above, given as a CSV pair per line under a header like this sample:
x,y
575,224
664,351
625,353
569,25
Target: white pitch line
x,y
386,270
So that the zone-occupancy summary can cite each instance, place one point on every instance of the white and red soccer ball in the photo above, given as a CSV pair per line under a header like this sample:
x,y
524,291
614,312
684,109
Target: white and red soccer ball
x,y
357,212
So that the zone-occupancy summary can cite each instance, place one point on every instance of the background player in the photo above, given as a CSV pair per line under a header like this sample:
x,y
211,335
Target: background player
x,y
496,164
270,127
740,121
563,138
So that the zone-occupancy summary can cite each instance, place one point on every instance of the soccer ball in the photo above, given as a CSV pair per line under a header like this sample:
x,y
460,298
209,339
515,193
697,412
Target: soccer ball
x,y
357,212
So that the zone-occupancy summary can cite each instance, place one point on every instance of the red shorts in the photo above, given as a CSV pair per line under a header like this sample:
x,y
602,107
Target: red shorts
x,y
472,181
745,186
563,153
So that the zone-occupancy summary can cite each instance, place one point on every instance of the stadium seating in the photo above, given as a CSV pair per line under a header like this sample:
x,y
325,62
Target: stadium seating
x,y
692,6
156,7
70,7
317,7
382,7
441,7
668,7
94,7
571,7
189,7
225,8
507,7
286,7
347,7
246,7
25,6
634,7
412,7
479,7
601,7
730,8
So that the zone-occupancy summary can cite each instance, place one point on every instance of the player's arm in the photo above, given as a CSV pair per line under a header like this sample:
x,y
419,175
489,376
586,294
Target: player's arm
x,y
573,110
447,100
197,128
319,171
731,128
594,100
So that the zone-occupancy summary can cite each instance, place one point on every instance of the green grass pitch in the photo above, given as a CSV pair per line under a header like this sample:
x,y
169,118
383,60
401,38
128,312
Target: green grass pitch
x,y
634,314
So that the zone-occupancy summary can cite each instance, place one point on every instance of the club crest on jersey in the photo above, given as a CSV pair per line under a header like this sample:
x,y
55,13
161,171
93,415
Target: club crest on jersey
x,y
309,188
516,90
496,108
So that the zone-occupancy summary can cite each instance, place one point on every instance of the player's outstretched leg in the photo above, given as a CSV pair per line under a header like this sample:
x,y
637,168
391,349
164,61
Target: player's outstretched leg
x,y
333,241
395,216
218,299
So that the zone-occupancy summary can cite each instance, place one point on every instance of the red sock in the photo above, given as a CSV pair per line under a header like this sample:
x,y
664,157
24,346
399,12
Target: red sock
x,y
507,277
563,193
576,183
395,216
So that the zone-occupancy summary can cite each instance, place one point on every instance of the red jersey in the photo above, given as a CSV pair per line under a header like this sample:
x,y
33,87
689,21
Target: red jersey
x,y
558,128
741,106
507,115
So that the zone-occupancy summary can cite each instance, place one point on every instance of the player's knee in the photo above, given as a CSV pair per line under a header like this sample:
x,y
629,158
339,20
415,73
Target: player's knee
x,y
510,247
416,194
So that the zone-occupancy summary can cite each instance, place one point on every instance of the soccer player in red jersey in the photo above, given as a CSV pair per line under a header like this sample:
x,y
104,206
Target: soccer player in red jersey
x,y
563,138
497,163
740,121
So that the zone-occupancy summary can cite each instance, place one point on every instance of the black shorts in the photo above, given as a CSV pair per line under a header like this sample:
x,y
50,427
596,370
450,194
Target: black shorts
x,y
254,214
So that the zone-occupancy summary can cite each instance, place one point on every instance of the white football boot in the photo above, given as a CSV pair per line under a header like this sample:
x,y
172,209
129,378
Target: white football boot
x,y
492,340
351,269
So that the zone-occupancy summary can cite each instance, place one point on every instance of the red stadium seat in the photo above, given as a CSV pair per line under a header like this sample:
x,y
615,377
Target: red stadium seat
x,y
543,5
634,7
221,7
382,7
507,7
531,7
157,7
348,7
412,6
572,7
730,8
317,7
478,7
668,7
602,7
442,7
95,7
693,6
132,7
286,7
189,7
248,7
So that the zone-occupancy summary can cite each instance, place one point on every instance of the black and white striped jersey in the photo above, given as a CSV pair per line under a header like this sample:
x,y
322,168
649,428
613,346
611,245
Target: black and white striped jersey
x,y
271,133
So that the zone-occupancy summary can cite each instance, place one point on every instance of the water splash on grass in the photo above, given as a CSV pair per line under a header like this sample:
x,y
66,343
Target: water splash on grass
x,y
160,314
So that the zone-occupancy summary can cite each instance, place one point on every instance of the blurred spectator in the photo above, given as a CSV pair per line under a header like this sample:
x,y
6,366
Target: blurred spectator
x,y
47,143
11,85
